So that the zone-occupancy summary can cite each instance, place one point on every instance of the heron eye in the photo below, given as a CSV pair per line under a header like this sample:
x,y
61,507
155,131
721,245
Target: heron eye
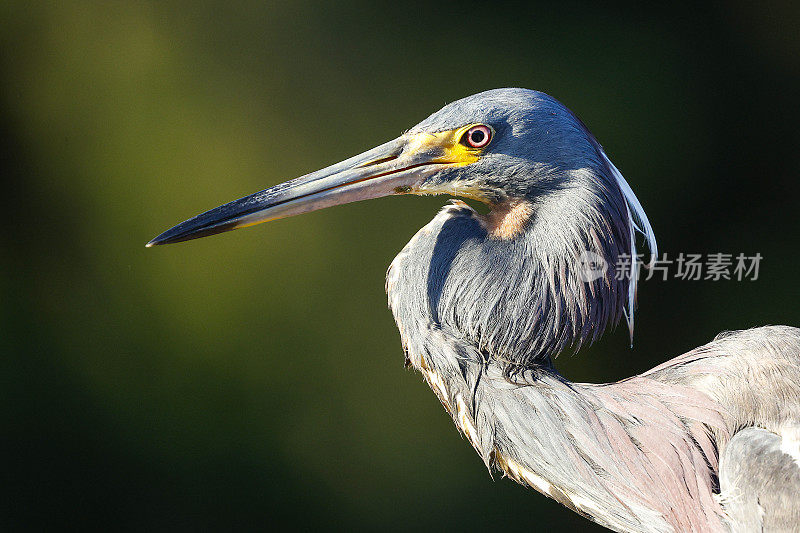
x,y
477,136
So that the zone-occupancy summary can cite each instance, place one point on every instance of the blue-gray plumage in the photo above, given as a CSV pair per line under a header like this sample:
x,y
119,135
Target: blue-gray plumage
x,y
709,441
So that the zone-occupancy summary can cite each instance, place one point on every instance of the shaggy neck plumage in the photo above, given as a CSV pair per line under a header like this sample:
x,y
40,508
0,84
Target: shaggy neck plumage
x,y
536,300
572,304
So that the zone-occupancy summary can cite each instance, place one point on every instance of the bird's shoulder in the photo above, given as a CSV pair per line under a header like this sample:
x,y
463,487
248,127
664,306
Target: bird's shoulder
x,y
747,369
760,479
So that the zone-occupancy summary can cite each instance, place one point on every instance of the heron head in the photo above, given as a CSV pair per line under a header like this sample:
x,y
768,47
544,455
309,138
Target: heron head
x,y
493,146
511,143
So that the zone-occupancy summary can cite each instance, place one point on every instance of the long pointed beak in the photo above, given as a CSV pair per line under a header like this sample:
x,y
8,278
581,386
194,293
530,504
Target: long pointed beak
x,y
396,167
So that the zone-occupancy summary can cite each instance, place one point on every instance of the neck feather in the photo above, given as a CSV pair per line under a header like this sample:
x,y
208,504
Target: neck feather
x,y
623,454
635,455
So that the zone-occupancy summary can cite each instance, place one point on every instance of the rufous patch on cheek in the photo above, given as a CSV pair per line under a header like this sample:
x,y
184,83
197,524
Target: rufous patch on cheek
x,y
508,219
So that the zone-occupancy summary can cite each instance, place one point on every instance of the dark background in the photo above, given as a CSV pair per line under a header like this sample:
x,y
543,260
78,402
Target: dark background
x,y
256,378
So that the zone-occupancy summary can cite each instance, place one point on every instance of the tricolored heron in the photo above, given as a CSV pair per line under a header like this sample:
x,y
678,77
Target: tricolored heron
x,y
708,441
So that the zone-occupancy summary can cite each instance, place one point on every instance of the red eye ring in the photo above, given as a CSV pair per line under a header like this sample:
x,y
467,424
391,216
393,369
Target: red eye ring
x,y
477,136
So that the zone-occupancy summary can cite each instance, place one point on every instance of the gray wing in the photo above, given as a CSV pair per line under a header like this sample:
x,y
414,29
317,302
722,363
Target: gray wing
x,y
760,480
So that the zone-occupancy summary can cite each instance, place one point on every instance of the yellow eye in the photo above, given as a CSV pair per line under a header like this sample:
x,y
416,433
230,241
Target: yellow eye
x,y
477,136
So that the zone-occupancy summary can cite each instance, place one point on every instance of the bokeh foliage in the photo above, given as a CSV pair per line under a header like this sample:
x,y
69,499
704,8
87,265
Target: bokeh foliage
x,y
256,378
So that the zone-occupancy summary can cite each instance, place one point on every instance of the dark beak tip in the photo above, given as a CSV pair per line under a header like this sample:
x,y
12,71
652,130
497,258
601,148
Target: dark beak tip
x,y
189,230
158,240
167,237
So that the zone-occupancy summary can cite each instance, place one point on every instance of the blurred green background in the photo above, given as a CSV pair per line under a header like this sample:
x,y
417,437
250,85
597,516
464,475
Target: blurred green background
x,y
256,378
